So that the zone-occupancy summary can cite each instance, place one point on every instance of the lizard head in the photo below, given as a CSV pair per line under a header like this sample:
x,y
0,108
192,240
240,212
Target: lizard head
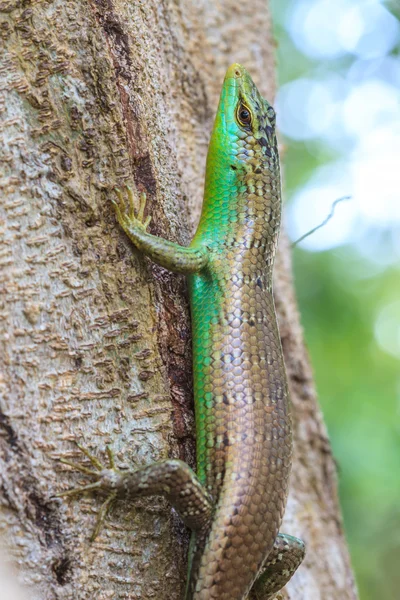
x,y
244,128
242,199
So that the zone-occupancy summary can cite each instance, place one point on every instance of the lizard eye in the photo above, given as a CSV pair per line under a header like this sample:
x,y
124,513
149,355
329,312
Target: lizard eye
x,y
243,115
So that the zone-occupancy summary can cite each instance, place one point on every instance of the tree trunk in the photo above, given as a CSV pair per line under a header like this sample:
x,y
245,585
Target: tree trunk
x,y
95,339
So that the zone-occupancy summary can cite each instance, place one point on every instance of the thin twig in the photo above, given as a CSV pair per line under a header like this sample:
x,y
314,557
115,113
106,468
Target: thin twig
x,y
324,222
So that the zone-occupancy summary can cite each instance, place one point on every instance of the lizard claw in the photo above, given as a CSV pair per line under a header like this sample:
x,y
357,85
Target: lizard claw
x,y
101,483
127,216
102,514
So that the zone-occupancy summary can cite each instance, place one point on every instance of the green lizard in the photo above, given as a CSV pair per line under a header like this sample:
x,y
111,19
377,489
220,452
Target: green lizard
x,y
235,503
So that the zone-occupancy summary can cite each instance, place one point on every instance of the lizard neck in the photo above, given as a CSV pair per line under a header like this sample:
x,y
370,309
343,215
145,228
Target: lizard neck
x,y
242,199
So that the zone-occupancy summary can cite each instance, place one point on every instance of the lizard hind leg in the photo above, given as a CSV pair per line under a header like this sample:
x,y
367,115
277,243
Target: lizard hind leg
x,y
282,562
170,478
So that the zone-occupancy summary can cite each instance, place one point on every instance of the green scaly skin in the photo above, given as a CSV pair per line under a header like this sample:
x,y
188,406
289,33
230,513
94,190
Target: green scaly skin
x,y
236,502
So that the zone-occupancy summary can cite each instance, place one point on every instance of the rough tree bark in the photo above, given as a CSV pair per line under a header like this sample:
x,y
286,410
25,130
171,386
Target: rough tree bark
x,y
95,340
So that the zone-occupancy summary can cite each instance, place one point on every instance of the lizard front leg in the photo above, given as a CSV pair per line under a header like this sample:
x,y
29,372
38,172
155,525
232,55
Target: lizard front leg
x,y
167,254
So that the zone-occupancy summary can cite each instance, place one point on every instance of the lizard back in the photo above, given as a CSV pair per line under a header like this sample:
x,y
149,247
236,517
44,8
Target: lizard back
x,y
243,425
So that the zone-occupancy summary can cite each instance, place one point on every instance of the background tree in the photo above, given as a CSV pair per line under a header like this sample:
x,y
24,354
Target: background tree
x,y
95,339
337,102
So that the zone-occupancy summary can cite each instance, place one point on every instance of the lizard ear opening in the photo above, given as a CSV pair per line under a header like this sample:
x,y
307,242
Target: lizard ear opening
x,y
271,114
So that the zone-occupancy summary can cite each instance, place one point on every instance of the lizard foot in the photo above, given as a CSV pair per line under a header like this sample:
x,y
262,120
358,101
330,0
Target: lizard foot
x,y
126,215
105,478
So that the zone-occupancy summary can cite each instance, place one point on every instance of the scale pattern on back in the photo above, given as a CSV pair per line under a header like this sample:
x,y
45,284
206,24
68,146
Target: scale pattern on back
x,y
243,426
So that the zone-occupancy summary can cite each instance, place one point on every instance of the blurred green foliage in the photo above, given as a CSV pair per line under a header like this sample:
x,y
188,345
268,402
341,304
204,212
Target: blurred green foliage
x,y
357,383
341,293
